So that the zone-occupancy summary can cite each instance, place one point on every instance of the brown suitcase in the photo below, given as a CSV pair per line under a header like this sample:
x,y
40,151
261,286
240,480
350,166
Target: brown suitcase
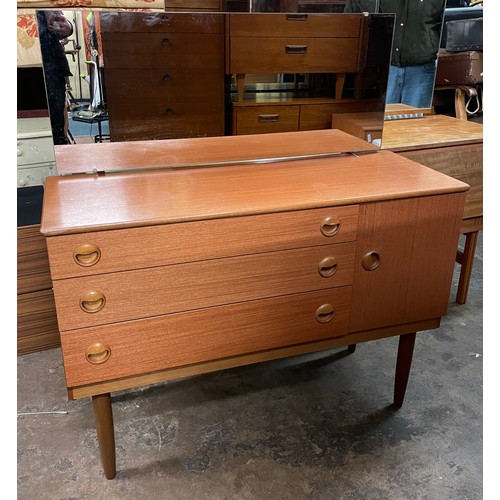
x,y
459,68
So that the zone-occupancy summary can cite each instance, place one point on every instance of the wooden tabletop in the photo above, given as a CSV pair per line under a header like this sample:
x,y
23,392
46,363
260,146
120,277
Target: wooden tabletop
x,y
91,202
429,132
109,156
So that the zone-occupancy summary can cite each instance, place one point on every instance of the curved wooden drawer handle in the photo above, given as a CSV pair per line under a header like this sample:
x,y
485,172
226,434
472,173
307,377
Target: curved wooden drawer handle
x,y
330,226
370,261
98,353
92,302
87,254
324,313
327,267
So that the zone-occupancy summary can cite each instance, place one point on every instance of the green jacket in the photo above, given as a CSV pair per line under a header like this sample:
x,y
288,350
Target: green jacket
x,y
417,28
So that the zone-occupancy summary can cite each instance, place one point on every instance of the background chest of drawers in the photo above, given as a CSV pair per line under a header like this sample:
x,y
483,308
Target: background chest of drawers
x,y
294,43
160,274
164,78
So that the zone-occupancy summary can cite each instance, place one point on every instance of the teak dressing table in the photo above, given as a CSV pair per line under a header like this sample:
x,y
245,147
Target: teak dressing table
x,y
172,272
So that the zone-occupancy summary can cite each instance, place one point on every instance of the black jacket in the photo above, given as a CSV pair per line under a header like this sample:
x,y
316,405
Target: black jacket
x,y
417,28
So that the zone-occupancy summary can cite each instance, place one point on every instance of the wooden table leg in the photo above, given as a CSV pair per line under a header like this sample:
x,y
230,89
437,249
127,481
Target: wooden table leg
x,y
466,260
403,365
103,413
240,86
339,85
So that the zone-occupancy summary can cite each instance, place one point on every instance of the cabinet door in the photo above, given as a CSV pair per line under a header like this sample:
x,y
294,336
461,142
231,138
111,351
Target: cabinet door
x,y
404,260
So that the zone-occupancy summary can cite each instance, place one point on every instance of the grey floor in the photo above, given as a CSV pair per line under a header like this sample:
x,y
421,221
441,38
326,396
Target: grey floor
x,y
312,427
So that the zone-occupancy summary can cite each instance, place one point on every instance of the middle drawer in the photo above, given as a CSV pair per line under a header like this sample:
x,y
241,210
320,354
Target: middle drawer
x,y
123,296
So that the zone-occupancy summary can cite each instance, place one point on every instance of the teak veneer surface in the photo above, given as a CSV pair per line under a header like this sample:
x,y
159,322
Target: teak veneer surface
x,y
120,200
429,131
107,156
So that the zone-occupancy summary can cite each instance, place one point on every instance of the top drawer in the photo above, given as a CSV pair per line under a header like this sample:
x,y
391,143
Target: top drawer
x,y
160,22
296,25
137,248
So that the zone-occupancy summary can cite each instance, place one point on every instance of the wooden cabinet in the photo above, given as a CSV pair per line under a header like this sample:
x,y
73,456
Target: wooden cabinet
x,y
294,43
292,115
164,74
162,273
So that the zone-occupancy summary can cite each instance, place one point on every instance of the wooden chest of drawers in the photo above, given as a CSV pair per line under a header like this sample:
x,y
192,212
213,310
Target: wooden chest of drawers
x,y
293,43
163,73
163,273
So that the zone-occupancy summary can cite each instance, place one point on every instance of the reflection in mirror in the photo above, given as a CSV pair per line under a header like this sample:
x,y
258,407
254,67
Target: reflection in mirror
x,y
164,75
417,35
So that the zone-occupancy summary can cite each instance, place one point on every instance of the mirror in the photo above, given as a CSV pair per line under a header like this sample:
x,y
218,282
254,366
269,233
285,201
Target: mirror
x,y
168,75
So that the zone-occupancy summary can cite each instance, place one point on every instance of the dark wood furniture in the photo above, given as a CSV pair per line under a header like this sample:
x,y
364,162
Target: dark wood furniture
x,y
164,74
168,272
294,43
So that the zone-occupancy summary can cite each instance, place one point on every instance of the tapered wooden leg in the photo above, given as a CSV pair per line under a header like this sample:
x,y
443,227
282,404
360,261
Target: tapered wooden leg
x,y
466,260
351,348
339,85
105,432
240,86
403,365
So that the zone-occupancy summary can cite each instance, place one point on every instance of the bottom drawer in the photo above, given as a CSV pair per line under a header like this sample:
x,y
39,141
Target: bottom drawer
x,y
265,119
142,346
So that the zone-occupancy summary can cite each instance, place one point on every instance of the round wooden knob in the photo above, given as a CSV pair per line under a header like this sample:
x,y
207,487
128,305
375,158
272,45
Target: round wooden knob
x,y
324,313
92,302
370,261
327,267
87,254
98,353
330,225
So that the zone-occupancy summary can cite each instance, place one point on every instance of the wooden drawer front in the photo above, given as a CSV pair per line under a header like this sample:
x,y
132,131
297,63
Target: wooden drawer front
x,y
213,5
183,287
169,115
32,260
266,119
319,116
163,50
175,84
273,25
293,55
180,339
138,248
133,22
167,120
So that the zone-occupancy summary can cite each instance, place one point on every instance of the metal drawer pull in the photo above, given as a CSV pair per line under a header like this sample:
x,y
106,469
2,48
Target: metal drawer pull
x,y
92,302
167,78
87,254
165,41
169,111
327,267
296,17
269,118
330,226
295,49
324,313
370,261
98,353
